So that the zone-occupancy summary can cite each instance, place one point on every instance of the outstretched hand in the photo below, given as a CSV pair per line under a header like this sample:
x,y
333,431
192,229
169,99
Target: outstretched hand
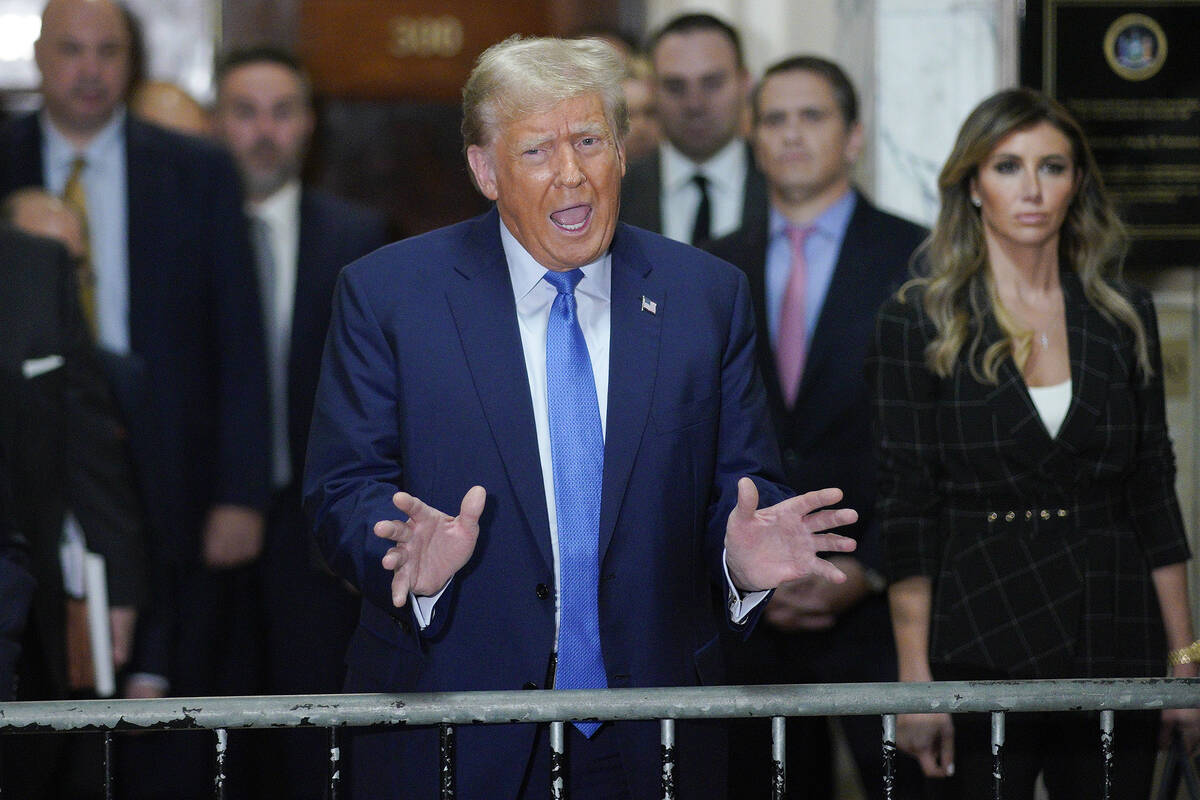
x,y
430,546
765,547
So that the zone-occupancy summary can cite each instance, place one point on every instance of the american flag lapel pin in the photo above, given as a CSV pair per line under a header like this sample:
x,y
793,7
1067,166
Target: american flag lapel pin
x,y
649,305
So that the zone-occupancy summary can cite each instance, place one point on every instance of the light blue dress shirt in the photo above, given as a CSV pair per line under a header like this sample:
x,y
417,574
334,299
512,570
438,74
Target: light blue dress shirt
x,y
105,186
821,250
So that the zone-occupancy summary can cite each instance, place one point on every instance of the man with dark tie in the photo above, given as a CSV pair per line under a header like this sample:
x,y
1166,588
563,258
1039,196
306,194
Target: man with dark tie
x,y
175,300
701,182
582,395
303,237
819,266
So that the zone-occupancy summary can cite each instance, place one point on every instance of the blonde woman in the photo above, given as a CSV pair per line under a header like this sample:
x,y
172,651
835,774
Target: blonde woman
x,y
1027,499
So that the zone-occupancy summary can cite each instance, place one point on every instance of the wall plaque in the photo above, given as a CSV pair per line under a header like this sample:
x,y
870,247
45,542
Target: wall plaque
x,y
1130,74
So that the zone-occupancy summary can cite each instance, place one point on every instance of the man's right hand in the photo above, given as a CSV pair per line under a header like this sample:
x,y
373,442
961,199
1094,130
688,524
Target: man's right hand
x,y
429,546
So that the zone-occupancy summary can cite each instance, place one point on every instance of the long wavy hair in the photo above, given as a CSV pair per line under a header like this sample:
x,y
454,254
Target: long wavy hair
x,y
959,291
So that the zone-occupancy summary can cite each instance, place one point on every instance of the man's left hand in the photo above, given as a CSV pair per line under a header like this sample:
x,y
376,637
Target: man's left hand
x,y
233,536
765,547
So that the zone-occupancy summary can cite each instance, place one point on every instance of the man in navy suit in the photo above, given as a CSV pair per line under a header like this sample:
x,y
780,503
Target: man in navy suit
x,y
303,239
807,137
176,302
442,388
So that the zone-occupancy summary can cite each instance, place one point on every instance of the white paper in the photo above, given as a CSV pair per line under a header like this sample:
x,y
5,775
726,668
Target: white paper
x,y
99,626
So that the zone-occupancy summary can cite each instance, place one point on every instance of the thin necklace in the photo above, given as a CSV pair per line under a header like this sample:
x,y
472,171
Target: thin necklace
x,y
1044,339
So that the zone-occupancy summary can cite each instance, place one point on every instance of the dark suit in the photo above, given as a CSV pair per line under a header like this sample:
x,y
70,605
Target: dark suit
x,y
310,613
826,440
1039,549
424,388
196,339
193,390
68,452
16,590
641,194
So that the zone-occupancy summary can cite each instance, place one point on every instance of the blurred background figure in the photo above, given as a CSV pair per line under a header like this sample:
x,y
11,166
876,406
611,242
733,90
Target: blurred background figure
x,y
815,308
701,182
72,485
166,104
176,304
1025,467
644,131
303,237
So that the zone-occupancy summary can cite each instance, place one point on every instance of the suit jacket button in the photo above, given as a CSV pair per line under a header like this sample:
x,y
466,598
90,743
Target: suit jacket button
x,y
542,591
529,685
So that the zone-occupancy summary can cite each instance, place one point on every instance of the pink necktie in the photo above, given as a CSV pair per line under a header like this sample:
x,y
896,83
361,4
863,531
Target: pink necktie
x,y
791,343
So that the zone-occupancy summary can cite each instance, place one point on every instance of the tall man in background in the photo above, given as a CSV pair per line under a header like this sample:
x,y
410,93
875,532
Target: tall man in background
x,y
701,183
583,394
175,298
303,237
819,266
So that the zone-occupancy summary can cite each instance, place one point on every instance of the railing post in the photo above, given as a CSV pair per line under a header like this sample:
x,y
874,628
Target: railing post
x,y
219,780
889,756
778,757
558,783
108,766
998,754
667,739
335,765
446,747
1107,722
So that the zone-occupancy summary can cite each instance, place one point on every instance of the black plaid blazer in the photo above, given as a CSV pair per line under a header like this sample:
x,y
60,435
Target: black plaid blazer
x,y
1039,549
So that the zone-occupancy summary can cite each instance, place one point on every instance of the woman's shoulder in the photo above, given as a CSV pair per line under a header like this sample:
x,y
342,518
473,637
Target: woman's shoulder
x,y
906,306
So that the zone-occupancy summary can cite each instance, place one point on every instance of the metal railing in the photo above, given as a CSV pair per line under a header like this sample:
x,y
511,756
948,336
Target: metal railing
x,y
450,709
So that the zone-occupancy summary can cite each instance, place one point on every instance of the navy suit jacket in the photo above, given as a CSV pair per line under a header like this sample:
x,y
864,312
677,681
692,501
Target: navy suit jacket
x,y
826,437
424,388
193,390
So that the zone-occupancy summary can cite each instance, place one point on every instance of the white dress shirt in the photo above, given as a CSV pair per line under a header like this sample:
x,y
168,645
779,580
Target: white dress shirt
x,y
281,214
105,187
726,173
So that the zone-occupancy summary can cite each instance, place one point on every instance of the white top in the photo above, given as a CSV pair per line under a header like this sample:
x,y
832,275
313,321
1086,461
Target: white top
x,y
1052,403
726,173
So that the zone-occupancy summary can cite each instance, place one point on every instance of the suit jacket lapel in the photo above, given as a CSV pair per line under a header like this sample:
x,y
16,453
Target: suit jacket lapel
x,y
486,316
25,162
1090,366
144,223
1091,362
632,370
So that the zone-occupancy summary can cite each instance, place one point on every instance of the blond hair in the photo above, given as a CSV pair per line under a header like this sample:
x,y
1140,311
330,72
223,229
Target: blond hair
x,y
958,290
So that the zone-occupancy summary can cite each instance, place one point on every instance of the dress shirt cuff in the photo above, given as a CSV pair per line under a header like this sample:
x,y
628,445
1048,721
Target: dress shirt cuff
x,y
423,608
740,606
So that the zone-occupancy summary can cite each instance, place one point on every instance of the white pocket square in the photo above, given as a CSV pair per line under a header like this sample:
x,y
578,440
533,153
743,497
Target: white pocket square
x,y
32,367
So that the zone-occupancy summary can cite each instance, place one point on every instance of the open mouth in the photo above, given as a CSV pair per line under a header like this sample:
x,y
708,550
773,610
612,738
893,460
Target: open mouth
x,y
572,219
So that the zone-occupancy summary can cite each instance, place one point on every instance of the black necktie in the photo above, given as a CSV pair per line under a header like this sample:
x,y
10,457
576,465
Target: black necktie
x,y
700,229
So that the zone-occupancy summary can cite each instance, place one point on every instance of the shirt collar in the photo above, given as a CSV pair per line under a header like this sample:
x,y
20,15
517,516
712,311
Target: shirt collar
x,y
60,151
830,223
525,272
678,169
279,208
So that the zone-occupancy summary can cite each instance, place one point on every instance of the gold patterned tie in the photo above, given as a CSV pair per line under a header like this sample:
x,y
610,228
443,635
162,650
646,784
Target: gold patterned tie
x,y
76,199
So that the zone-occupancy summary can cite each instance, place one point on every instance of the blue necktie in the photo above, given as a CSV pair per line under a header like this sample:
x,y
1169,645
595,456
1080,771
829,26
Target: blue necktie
x,y
577,456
